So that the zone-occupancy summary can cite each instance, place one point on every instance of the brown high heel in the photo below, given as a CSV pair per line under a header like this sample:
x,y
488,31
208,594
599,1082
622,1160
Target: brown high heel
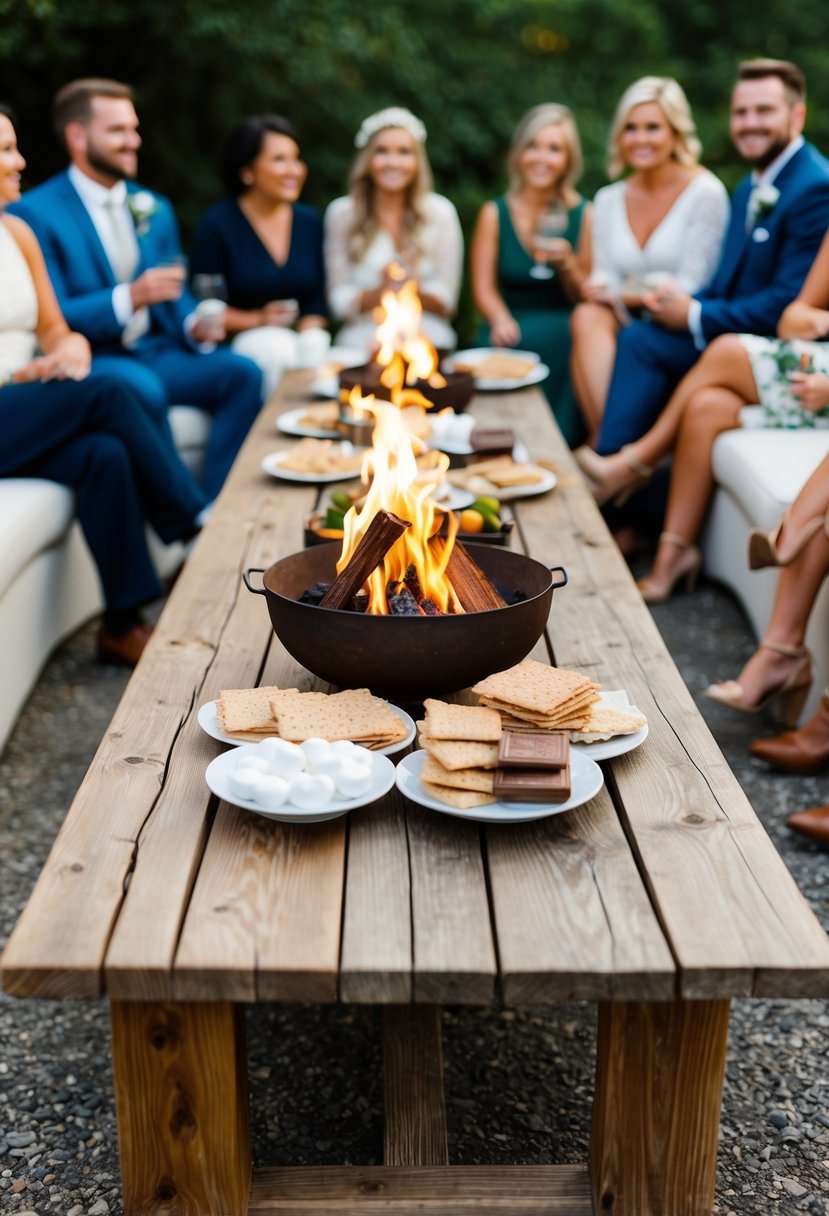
x,y
789,695
763,546
594,468
687,569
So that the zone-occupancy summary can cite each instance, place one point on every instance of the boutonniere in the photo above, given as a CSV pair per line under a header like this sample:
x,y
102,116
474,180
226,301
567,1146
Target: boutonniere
x,y
142,207
762,202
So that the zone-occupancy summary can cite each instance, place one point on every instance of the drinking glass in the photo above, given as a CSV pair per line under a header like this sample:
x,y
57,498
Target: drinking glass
x,y
549,228
209,287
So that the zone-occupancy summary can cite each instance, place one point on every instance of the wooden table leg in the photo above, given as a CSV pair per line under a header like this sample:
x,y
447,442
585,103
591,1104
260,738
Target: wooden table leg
x,y
656,1113
182,1107
414,1110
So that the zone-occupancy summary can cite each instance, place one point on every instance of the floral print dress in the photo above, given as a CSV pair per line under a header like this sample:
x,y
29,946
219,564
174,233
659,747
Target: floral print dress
x,y
772,359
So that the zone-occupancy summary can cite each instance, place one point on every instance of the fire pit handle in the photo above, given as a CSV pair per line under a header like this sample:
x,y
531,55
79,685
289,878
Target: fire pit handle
x,y
559,570
256,570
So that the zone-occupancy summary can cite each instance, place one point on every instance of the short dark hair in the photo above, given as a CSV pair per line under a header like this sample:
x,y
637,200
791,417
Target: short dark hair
x,y
8,112
244,143
73,103
794,82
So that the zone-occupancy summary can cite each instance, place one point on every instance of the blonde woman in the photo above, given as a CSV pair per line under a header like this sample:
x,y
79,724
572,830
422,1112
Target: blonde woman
x,y
525,279
660,226
391,215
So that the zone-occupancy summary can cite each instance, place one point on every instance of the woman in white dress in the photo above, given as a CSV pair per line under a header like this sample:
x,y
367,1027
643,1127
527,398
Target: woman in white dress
x,y
392,216
663,224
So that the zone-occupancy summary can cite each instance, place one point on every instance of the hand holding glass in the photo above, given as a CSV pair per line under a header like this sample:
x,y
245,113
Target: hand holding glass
x,y
549,228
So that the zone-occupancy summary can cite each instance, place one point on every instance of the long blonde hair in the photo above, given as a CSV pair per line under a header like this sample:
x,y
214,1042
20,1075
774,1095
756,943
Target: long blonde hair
x,y
364,226
549,114
668,94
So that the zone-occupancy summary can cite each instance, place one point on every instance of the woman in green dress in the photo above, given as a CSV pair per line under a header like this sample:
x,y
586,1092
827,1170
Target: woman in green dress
x,y
531,253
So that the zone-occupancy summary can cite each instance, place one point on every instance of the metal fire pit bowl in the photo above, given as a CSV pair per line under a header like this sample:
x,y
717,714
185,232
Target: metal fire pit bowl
x,y
407,658
455,394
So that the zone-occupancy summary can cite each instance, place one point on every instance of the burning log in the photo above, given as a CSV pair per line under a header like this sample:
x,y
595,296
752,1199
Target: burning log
x,y
383,530
430,608
401,601
412,581
472,587
360,601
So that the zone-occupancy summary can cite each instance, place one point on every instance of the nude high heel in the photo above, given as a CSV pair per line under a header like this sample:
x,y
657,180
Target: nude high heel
x,y
688,568
595,469
788,696
763,546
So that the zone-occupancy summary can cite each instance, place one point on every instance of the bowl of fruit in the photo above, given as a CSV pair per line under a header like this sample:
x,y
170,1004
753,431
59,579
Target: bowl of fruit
x,y
480,522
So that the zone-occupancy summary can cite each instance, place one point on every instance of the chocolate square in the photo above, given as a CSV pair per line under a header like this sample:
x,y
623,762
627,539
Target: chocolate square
x,y
490,440
532,785
525,749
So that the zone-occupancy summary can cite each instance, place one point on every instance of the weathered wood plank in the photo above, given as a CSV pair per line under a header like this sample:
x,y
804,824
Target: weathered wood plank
x,y
182,1106
413,1103
459,1190
656,1111
376,957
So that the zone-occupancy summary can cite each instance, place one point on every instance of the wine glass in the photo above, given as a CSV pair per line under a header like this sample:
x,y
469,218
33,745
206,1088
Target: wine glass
x,y
549,228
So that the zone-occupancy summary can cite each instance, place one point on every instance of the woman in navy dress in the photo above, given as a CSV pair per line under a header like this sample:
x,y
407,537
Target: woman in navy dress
x,y
266,245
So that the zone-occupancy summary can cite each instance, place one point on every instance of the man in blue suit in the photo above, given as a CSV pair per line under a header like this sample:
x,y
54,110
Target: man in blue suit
x,y
780,213
114,257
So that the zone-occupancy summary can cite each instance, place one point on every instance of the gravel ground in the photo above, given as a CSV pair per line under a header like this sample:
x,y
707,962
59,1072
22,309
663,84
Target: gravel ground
x,y
518,1084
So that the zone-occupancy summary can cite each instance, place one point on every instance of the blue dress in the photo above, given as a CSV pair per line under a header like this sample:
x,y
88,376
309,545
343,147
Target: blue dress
x,y
226,244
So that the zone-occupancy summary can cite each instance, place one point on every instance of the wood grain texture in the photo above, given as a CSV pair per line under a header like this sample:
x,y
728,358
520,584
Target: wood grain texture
x,y
525,1190
705,858
656,1110
414,1129
376,955
264,918
182,1107
454,952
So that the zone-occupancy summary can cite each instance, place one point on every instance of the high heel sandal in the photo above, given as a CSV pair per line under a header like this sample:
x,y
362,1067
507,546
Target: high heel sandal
x,y
789,695
687,569
763,546
595,469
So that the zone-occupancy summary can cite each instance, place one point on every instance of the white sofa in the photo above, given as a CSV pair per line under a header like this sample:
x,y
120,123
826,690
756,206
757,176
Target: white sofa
x,y
759,474
48,583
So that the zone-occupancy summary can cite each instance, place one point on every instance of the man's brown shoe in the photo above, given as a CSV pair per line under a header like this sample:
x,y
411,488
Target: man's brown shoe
x,y
804,751
813,823
124,650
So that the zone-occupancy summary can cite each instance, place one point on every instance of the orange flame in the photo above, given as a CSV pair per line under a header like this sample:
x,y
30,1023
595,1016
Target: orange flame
x,y
405,352
399,485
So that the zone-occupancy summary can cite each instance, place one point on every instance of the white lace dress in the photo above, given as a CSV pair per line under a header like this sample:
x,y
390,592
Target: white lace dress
x,y
18,306
685,245
439,266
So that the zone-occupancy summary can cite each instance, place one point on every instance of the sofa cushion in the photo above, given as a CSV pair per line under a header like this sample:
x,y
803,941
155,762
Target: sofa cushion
x,y
35,514
190,426
764,470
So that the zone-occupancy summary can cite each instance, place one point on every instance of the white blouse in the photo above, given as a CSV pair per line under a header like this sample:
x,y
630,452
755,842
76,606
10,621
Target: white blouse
x,y
439,267
686,244
18,306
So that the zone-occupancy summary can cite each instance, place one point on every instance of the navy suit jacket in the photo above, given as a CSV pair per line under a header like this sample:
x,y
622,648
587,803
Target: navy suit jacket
x,y
80,270
762,270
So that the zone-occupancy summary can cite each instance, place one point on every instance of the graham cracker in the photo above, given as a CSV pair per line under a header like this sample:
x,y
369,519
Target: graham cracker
x,y
461,799
459,779
457,753
472,723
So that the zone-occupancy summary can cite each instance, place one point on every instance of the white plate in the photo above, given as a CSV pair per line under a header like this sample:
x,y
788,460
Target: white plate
x,y
271,464
289,424
508,493
606,749
209,723
452,498
476,354
217,772
585,776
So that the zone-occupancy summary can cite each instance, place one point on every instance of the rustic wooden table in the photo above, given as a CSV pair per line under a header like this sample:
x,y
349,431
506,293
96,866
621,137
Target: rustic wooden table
x,y
660,899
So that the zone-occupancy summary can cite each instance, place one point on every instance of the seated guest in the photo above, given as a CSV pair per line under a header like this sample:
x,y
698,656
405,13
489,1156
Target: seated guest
x,y
88,433
662,225
266,246
113,254
781,668
735,370
523,305
778,218
392,216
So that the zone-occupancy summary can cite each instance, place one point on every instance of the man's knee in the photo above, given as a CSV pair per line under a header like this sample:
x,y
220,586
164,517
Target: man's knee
x,y
133,380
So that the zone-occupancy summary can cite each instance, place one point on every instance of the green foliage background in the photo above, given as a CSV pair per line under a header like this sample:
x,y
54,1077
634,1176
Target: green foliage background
x,y
469,68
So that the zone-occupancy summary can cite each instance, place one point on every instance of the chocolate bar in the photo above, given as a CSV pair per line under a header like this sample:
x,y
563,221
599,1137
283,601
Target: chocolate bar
x,y
532,785
492,439
520,749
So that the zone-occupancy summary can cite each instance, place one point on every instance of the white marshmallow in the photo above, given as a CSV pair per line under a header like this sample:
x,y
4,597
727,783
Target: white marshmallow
x,y
284,759
316,752
353,779
252,762
310,792
344,747
271,791
243,783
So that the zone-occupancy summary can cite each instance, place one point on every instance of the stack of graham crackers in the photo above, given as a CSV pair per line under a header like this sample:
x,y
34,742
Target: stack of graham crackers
x,y
253,714
535,697
472,761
